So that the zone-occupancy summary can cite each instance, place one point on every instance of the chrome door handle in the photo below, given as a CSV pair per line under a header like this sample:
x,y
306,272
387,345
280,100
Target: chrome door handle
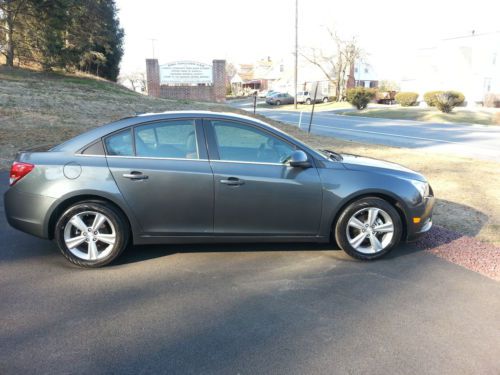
x,y
135,175
232,181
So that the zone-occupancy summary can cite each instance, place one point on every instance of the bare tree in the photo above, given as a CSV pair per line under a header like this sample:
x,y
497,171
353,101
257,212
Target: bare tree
x,y
336,62
136,80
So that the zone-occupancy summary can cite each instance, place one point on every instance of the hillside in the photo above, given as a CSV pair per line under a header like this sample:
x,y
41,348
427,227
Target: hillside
x,y
38,108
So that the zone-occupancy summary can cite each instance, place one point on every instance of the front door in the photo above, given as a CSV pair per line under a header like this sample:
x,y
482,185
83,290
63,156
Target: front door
x,y
256,192
163,173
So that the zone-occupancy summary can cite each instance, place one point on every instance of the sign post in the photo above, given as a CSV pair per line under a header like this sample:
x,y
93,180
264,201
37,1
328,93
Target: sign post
x,y
312,111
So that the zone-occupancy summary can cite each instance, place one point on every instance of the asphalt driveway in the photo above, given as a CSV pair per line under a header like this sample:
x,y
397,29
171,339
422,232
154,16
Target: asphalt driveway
x,y
242,309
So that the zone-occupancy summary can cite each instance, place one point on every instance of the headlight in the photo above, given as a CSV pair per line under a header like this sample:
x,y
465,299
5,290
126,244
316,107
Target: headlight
x,y
422,187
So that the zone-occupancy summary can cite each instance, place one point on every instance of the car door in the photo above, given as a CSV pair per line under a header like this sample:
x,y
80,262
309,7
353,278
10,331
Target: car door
x,y
256,191
162,171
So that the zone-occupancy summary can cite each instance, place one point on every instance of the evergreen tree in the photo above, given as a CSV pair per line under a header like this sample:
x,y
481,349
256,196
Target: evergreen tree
x,y
63,34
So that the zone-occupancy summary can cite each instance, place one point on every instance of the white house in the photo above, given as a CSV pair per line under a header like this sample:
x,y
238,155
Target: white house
x,y
470,64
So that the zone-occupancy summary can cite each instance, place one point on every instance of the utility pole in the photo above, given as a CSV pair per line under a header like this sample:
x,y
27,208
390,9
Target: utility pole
x,y
153,45
296,52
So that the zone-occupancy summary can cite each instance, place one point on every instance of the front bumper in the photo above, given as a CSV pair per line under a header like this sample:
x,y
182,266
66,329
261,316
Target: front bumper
x,y
28,212
424,212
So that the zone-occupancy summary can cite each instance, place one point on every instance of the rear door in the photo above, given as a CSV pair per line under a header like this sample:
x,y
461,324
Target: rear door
x,y
256,192
161,169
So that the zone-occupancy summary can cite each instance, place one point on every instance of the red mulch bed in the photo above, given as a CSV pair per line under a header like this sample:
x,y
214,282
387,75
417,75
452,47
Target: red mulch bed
x,y
465,251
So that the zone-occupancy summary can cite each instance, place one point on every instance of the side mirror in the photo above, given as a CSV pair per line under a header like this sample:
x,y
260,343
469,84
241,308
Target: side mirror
x,y
299,159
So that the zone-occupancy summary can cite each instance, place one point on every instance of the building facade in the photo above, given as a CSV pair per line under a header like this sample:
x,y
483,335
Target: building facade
x,y
469,63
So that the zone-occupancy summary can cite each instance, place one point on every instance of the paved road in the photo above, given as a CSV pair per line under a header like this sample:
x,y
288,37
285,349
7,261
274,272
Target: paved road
x,y
242,309
476,141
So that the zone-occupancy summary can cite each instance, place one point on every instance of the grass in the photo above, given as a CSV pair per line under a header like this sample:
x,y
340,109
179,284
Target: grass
x,y
38,108
459,115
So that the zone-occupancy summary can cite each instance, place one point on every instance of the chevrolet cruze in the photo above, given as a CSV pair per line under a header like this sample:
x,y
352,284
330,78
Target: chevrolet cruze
x,y
200,177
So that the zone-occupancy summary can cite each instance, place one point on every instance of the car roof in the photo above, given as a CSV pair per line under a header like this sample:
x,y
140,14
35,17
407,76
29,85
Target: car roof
x,y
84,139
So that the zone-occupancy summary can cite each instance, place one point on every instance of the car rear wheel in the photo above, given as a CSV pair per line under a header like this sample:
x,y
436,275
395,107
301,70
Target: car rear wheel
x,y
368,228
325,100
91,234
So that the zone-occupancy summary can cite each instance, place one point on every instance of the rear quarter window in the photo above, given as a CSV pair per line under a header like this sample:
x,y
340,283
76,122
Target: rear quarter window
x,y
120,144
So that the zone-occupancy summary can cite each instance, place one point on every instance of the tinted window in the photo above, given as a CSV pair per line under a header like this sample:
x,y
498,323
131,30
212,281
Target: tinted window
x,y
169,139
238,142
94,149
120,144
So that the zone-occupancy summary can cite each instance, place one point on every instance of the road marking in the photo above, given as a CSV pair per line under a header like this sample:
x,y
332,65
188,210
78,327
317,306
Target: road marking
x,y
397,135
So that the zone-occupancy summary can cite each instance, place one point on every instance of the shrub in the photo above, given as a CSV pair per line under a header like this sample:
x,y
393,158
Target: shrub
x,y
360,96
406,99
431,97
446,101
460,98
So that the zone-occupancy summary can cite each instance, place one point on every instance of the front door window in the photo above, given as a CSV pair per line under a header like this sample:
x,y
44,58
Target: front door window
x,y
238,142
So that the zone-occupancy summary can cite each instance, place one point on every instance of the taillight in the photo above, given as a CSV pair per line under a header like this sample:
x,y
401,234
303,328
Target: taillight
x,y
19,170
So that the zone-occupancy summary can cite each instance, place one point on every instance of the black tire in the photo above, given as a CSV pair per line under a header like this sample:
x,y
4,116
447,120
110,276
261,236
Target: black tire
x,y
114,217
308,101
341,227
325,100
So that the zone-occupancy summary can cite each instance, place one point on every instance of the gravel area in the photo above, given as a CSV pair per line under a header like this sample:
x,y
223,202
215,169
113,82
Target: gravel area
x,y
465,251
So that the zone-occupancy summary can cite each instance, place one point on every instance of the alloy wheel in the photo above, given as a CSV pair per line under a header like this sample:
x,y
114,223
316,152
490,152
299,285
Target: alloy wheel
x,y
90,235
370,230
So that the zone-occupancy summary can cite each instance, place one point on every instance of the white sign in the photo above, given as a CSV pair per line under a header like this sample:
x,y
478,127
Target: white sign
x,y
185,72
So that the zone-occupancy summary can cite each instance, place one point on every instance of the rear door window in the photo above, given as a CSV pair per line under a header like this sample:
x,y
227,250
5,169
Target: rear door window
x,y
168,139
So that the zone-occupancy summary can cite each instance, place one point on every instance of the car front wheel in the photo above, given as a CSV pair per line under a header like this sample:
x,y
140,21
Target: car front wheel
x,y
91,234
368,228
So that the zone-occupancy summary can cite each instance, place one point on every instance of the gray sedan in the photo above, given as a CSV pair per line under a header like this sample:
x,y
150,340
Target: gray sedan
x,y
279,98
199,177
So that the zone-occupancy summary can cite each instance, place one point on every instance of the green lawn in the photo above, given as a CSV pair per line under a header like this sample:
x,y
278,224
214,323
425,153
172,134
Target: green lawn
x,y
459,115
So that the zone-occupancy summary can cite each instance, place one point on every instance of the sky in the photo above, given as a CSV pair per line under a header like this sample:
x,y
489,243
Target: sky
x,y
245,31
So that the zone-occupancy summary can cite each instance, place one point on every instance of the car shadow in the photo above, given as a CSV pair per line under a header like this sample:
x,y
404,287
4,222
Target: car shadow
x,y
139,253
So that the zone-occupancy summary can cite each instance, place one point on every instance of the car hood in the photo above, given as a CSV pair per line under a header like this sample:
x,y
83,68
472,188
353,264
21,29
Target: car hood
x,y
361,163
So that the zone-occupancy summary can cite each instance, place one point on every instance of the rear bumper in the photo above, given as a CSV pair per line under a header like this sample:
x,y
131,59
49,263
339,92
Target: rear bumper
x,y
424,212
28,212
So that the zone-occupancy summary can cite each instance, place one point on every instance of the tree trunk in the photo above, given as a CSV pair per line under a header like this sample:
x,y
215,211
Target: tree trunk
x,y
338,89
9,42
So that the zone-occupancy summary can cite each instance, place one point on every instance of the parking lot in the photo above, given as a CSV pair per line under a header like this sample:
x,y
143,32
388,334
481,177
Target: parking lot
x,y
247,309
